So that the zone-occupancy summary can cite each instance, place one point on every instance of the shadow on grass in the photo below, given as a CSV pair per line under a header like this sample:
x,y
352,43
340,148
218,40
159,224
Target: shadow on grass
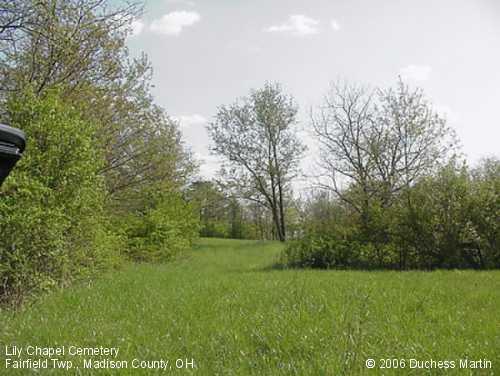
x,y
279,266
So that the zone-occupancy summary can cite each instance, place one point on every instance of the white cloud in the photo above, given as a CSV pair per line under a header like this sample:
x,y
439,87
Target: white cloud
x,y
297,24
335,25
416,73
187,121
173,23
137,27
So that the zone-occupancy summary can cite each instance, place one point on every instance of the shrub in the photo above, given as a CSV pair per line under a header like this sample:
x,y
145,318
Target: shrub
x,y
453,221
163,230
51,207
484,212
326,253
447,219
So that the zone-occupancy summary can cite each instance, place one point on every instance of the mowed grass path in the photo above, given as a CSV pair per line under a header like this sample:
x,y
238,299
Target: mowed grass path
x,y
223,306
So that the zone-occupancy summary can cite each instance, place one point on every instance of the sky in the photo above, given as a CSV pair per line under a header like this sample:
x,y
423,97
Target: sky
x,y
208,53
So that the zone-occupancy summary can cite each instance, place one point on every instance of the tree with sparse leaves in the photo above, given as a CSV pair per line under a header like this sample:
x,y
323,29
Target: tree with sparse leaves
x,y
261,148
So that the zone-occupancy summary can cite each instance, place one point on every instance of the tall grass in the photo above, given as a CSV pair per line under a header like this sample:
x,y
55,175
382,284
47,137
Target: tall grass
x,y
223,306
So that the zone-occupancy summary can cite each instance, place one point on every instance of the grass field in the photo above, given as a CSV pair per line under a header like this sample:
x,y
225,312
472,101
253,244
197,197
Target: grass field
x,y
223,306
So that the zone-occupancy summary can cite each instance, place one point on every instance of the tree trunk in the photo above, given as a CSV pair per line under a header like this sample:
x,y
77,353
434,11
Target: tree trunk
x,y
281,212
277,223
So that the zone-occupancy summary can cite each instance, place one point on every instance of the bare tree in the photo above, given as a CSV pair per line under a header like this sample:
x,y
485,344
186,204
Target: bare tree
x,y
342,127
410,139
261,148
378,142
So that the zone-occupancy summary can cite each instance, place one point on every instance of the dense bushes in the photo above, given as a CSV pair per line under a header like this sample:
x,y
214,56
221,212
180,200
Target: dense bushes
x,y
323,252
104,169
54,220
445,220
453,219
161,231
51,208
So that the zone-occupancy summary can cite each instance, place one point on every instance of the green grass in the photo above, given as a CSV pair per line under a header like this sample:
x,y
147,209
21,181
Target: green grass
x,y
223,306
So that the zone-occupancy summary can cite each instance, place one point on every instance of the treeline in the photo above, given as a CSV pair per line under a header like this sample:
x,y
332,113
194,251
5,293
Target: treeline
x,y
222,214
448,219
395,191
390,188
103,174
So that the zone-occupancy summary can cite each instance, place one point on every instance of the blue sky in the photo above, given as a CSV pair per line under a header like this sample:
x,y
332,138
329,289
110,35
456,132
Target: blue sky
x,y
206,53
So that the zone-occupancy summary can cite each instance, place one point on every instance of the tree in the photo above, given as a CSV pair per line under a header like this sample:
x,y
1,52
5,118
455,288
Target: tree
x,y
410,139
210,204
261,148
260,221
165,226
71,57
54,42
484,210
374,146
342,128
52,207
378,142
80,47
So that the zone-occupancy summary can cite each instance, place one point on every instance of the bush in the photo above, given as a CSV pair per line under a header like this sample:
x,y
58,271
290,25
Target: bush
x,y
163,230
326,253
453,222
51,207
447,219
214,229
484,212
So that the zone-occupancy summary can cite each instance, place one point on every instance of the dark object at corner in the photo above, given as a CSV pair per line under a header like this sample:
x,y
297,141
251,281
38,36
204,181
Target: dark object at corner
x,y
12,144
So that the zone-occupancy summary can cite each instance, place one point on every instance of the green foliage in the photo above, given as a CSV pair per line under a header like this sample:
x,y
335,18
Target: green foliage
x,y
448,219
51,207
257,139
433,219
484,210
210,205
97,147
220,214
453,218
160,232
213,229
327,253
